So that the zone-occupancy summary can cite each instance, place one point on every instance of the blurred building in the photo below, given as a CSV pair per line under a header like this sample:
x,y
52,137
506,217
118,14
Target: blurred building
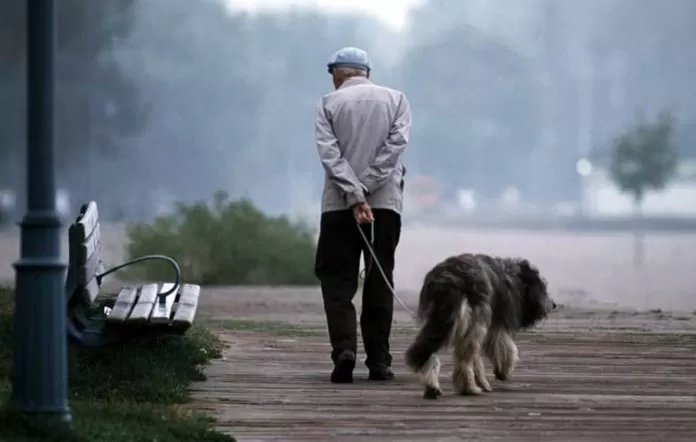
x,y
422,196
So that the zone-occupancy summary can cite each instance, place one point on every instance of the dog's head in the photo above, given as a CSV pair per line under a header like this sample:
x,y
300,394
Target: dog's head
x,y
537,303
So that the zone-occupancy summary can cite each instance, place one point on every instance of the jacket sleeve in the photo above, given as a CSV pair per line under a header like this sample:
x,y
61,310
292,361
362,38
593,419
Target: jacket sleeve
x,y
337,168
390,152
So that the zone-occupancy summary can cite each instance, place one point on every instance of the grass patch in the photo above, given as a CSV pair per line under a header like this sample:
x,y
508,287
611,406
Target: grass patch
x,y
131,392
275,328
119,421
157,370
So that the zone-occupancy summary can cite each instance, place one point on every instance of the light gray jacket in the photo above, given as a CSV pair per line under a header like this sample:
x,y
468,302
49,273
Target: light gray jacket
x,y
361,132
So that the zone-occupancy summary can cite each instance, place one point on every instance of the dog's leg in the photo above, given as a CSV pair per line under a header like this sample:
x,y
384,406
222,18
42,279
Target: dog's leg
x,y
502,351
463,376
510,360
430,377
480,374
467,350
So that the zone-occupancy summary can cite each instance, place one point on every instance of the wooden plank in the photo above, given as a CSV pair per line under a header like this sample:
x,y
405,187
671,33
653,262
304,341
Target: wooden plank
x,y
124,304
187,306
85,272
85,252
91,291
162,311
90,246
643,392
88,221
146,300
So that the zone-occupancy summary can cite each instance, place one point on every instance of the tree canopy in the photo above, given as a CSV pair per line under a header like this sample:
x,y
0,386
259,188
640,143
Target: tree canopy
x,y
645,157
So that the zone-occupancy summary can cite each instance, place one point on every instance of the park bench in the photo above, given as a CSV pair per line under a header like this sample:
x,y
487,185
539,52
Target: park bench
x,y
152,308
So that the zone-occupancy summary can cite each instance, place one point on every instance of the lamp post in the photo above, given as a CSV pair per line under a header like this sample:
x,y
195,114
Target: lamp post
x,y
40,369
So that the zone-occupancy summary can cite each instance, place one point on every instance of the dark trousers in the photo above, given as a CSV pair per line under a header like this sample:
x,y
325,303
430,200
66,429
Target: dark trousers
x,y
337,267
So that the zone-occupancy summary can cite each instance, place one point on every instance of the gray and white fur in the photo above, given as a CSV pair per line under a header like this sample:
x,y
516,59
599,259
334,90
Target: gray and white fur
x,y
475,304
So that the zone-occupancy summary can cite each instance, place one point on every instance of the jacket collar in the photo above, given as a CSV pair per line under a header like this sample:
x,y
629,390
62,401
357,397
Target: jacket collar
x,y
353,81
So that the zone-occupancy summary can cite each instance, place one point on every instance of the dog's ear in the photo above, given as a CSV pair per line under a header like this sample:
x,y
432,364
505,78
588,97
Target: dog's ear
x,y
530,275
535,294
528,272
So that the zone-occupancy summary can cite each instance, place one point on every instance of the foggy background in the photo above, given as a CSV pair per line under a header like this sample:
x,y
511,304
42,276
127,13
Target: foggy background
x,y
161,101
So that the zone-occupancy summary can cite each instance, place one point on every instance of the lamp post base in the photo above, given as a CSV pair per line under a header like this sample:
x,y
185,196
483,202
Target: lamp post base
x,y
40,362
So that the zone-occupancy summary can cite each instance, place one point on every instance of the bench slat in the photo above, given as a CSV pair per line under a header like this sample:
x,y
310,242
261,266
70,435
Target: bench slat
x,y
162,311
124,304
85,252
88,221
90,246
187,306
142,310
91,291
84,273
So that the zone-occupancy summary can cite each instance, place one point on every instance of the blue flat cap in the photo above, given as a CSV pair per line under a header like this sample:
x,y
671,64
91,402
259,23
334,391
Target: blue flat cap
x,y
350,57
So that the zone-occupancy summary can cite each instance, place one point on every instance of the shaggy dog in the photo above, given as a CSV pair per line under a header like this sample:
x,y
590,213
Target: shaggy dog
x,y
475,304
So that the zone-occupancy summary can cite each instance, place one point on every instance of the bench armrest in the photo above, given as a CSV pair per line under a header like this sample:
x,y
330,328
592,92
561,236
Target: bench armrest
x,y
174,264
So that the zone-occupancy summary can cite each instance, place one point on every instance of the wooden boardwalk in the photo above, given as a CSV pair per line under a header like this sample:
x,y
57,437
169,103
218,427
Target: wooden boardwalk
x,y
573,385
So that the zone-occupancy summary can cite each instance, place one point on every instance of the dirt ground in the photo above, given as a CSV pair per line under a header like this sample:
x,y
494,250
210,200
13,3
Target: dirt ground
x,y
616,363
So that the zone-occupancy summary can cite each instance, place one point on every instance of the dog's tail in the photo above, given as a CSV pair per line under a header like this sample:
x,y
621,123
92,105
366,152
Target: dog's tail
x,y
441,309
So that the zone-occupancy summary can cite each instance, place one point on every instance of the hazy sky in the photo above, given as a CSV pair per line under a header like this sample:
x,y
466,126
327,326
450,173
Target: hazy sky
x,y
391,12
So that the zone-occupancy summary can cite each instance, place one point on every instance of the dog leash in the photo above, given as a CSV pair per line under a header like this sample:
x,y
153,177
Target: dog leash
x,y
373,259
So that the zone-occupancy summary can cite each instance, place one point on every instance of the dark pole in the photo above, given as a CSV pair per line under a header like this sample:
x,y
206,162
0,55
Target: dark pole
x,y
40,368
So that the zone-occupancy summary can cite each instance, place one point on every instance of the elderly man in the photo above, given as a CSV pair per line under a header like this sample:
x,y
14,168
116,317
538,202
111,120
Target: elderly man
x,y
362,130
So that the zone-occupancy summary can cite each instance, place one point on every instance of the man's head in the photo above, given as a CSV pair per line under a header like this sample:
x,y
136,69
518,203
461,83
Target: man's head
x,y
348,62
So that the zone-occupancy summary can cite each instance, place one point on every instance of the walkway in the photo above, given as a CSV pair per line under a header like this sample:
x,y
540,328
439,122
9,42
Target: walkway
x,y
600,384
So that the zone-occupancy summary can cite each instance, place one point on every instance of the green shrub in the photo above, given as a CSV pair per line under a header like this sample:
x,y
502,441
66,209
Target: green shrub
x,y
227,242
131,392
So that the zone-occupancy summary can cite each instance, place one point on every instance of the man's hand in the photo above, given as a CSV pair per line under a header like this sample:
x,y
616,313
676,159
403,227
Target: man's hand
x,y
363,213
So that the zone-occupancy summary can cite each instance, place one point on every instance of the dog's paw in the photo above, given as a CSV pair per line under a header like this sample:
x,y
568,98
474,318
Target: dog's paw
x,y
471,391
499,375
485,386
432,393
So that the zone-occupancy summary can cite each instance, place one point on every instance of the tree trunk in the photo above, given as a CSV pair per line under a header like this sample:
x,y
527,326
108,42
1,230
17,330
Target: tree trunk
x,y
638,235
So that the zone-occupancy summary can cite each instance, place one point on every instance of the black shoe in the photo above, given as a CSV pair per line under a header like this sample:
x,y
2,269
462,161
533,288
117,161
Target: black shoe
x,y
381,373
343,369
